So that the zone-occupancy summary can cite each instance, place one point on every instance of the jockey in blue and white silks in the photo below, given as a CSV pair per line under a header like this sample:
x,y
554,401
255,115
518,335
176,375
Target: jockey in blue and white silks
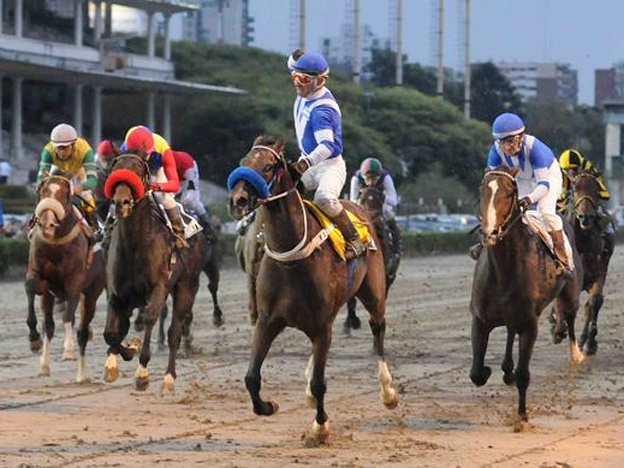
x,y
539,177
318,125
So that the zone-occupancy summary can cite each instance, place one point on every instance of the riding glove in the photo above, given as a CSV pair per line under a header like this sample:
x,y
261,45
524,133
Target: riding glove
x,y
524,203
300,166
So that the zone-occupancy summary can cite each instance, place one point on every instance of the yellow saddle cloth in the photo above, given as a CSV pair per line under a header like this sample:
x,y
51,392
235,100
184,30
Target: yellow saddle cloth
x,y
335,236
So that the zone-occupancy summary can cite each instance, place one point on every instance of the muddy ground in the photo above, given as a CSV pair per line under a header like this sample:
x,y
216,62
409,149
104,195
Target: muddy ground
x,y
577,412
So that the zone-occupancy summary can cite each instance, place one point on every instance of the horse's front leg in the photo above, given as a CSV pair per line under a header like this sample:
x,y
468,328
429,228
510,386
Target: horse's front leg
x,y
87,312
115,330
317,388
47,307
352,322
479,337
565,311
508,362
213,287
33,335
528,335
264,333
151,313
592,309
68,310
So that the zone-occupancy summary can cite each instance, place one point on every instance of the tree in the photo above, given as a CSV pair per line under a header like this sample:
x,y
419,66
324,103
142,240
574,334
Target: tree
x,y
491,93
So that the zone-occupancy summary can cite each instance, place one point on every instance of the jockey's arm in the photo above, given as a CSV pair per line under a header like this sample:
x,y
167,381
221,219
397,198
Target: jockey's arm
x,y
45,163
90,168
354,189
390,192
322,121
172,184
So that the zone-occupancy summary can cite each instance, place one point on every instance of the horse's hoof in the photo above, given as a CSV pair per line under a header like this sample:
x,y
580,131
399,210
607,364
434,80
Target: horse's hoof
x,y
111,374
217,320
591,349
35,345
68,356
44,371
134,344
82,380
390,399
141,383
318,435
266,408
481,378
509,378
168,386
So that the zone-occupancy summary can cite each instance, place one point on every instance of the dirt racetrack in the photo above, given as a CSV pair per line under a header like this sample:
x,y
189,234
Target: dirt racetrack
x,y
577,413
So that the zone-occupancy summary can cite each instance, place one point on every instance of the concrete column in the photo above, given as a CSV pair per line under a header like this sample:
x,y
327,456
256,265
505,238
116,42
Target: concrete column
x,y
19,18
2,152
16,122
96,130
151,110
78,22
151,35
1,15
78,88
167,41
108,22
98,22
166,130
612,148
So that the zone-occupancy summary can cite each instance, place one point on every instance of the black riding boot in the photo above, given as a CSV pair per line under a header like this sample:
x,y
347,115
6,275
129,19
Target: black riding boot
x,y
475,251
211,235
397,243
355,247
178,227
559,248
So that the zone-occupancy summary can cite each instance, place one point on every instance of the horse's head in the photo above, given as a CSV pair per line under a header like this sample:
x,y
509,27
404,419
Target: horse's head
x,y
127,183
585,199
498,203
262,173
372,199
54,204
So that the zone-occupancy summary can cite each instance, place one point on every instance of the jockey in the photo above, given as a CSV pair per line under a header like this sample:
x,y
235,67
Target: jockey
x,y
373,174
73,155
164,181
189,195
318,125
572,163
539,177
105,153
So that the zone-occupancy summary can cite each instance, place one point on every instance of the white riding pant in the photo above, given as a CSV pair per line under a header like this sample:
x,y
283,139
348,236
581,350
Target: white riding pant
x,y
327,178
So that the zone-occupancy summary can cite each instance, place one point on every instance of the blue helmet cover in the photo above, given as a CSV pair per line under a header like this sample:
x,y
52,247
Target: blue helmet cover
x,y
251,176
312,63
506,125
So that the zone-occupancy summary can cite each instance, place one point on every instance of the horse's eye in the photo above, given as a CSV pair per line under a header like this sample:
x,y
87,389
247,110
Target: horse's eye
x,y
267,168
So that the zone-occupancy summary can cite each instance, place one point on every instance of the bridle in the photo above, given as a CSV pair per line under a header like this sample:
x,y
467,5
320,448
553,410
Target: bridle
x,y
512,216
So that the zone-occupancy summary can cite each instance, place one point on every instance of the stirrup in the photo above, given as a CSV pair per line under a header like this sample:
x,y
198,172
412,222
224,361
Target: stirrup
x,y
354,249
475,251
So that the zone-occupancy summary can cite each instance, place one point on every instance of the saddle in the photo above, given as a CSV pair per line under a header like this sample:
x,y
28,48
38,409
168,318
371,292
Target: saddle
x,y
535,222
335,237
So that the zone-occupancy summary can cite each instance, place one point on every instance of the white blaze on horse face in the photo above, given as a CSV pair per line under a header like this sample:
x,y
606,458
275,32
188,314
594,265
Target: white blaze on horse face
x,y
489,217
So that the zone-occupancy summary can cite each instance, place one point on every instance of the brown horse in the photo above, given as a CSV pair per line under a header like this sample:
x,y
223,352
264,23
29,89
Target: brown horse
x,y
58,268
595,247
302,282
372,199
144,267
249,249
515,278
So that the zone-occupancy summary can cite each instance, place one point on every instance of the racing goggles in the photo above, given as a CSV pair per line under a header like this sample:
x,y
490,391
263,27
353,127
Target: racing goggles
x,y
512,140
302,78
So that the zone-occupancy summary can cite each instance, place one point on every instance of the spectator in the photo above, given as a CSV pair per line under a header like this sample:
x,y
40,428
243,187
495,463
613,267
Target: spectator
x,y
5,171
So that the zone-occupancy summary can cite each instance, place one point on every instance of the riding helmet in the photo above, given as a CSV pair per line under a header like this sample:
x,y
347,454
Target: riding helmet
x,y
140,138
105,149
371,166
507,125
63,135
570,159
312,63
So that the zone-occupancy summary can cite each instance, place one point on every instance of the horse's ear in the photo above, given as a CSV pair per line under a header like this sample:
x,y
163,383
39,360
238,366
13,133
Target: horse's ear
x,y
281,143
257,140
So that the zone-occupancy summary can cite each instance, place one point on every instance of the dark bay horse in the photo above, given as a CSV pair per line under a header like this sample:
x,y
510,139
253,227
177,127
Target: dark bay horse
x,y
143,267
595,248
372,199
302,283
58,268
249,249
514,279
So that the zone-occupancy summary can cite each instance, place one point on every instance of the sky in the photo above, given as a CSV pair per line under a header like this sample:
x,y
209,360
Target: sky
x,y
585,34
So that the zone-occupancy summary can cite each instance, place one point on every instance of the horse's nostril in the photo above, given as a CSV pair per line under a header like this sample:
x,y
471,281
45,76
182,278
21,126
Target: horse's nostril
x,y
241,202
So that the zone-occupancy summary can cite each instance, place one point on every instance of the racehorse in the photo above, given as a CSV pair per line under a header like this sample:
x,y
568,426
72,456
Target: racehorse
x,y
143,267
302,282
595,248
58,267
514,279
372,199
249,249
